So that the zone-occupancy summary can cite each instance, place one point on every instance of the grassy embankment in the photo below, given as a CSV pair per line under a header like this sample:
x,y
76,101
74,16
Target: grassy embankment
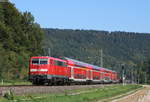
x,y
88,95
16,82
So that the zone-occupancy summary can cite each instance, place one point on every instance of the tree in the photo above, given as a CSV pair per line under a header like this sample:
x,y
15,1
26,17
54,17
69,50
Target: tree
x,y
20,38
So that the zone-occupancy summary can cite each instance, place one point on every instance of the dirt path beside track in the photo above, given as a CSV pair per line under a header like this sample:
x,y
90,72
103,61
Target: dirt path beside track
x,y
142,95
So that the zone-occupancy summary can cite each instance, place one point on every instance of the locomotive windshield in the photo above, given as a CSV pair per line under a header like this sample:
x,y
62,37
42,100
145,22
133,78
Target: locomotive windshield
x,y
35,61
39,61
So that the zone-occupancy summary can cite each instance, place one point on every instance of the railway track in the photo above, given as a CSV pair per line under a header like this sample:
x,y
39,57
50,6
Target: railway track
x,y
30,89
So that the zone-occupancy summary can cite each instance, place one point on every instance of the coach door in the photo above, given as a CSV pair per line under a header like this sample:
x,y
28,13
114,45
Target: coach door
x,y
101,76
87,74
72,72
91,75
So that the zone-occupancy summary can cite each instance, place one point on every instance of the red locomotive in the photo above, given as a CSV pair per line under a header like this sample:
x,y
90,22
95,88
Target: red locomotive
x,y
52,71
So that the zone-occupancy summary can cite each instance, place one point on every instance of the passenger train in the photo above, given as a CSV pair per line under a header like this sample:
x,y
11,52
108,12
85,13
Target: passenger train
x,y
65,71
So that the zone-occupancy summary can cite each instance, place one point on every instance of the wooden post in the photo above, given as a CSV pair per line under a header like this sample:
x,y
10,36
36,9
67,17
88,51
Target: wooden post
x,y
2,81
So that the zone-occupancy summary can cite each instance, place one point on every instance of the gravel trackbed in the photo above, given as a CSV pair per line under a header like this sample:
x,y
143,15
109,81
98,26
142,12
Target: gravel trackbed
x,y
22,90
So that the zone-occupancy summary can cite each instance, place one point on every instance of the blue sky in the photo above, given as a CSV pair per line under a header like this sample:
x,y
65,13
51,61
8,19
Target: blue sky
x,y
110,15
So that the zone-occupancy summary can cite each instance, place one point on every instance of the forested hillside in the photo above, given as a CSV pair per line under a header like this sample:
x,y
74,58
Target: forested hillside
x,y
20,38
119,48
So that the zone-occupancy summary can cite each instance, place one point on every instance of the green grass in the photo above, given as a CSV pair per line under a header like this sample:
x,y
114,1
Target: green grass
x,y
17,82
87,95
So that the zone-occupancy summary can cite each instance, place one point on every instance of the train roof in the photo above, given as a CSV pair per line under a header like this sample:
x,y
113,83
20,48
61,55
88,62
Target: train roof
x,y
79,63
53,58
83,64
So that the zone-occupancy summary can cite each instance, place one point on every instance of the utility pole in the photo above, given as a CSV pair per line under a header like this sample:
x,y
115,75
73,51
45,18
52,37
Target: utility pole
x,y
145,78
123,76
136,76
132,77
49,52
138,73
101,52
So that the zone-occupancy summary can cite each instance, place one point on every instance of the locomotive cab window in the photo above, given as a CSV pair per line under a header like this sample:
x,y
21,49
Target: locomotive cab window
x,y
35,61
39,61
43,61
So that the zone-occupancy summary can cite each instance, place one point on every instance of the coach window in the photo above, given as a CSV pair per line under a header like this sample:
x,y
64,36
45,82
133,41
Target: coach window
x,y
35,61
64,64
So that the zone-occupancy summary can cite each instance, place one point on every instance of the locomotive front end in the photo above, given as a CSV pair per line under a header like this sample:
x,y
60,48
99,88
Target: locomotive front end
x,y
38,70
